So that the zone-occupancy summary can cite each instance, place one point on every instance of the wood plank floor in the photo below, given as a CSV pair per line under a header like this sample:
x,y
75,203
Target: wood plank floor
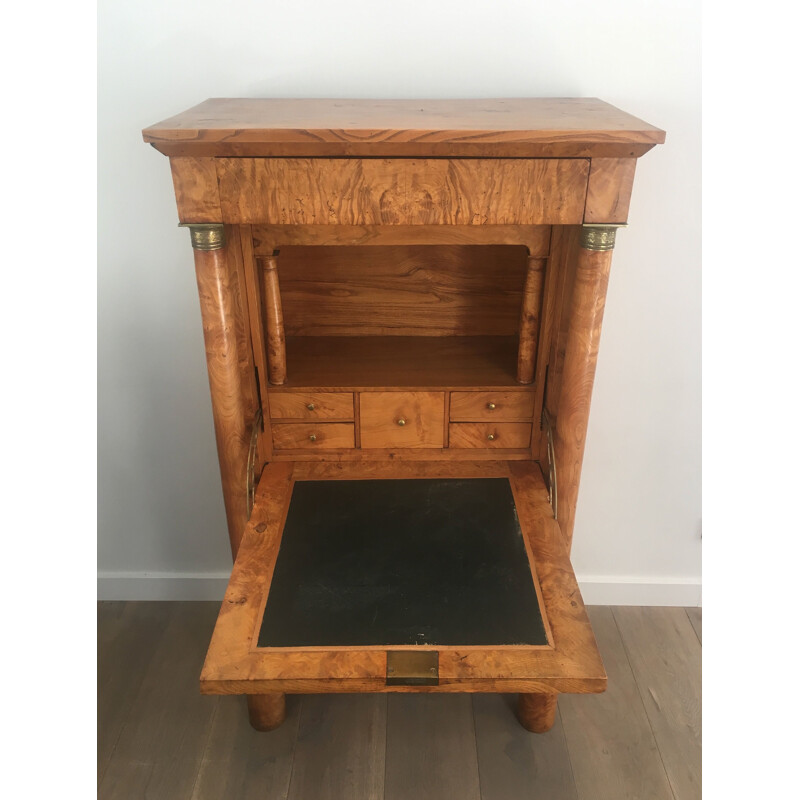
x,y
159,738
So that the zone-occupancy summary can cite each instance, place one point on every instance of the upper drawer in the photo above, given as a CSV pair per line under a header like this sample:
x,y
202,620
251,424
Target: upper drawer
x,y
355,191
311,405
475,406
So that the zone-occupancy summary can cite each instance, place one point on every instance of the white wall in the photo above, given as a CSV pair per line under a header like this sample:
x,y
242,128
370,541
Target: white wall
x,y
161,520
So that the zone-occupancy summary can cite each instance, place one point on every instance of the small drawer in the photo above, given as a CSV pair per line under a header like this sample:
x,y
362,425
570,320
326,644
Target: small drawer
x,y
475,406
401,419
313,436
316,405
480,435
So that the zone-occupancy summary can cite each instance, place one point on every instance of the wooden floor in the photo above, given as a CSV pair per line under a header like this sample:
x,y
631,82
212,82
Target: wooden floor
x,y
159,738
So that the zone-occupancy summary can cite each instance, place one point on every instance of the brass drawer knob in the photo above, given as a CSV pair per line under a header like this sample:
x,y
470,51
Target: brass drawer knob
x,y
401,422
313,437
491,406
490,437
310,406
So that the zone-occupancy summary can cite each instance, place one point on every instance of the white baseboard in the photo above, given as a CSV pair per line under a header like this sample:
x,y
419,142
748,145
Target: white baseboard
x,y
596,590
622,590
161,585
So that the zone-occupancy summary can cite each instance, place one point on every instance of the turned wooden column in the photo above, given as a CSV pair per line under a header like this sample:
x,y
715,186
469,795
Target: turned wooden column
x,y
234,399
529,319
580,362
537,712
266,711
276,338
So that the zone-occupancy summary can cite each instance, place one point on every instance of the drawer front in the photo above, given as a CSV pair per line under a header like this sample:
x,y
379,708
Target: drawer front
x,y
501,435
402,419
313,436
311,405
405,191
475,406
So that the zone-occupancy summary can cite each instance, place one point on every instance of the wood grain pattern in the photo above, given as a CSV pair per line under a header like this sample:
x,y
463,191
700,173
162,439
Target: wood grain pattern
x,y
402,291
580,364
613,751
234,398
477,434
401,176
266,711
666,664
696,618
128,637
537,712
437,736
475,406
276,335
512,763
341,749
347,363
254,305
388,470
240,764
266,238
402,419
512,128
311,405
165,716
196,190
549,360
613,748
609,194
234,666
326,435
413,454
302,191
530,320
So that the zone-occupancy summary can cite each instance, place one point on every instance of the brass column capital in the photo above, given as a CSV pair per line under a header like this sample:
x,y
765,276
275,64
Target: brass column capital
x,y
599,237
206,235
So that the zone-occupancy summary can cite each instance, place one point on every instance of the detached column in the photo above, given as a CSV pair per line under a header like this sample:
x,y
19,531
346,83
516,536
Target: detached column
x,y
537,712
580,362
234,399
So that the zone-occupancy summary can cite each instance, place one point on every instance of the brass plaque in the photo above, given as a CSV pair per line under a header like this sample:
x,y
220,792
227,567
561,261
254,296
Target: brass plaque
x,y
412,668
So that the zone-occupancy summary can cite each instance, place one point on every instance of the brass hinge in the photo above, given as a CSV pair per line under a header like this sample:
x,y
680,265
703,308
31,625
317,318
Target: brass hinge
x,y
251,461
552,479
412,668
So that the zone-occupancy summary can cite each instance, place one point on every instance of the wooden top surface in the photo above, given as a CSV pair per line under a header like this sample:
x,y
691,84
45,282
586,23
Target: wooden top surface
x,y
526,127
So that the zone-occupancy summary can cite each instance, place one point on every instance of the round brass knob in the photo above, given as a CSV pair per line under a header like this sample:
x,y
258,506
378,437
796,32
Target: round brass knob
x,y
310,406
491,406
313,437
490,437
401,422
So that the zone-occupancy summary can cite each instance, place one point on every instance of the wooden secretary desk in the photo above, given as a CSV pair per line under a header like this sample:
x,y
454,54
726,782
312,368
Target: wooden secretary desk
x,y
401,303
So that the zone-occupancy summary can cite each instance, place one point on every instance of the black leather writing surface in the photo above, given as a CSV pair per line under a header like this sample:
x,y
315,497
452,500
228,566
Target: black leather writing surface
x,y
390,562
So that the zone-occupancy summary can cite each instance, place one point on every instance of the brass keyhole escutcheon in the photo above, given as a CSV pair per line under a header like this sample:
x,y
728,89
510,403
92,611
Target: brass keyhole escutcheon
x,y
401,422
491,406
490,437
313,437
310,406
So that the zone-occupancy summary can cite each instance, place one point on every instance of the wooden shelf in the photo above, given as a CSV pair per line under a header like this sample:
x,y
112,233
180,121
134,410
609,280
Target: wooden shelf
x,y
320,363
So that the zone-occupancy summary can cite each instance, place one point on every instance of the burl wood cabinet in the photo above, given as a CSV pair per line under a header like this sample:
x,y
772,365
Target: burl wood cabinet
x,y
401,304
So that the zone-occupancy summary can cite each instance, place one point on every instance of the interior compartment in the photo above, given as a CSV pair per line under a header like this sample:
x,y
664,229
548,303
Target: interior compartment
x,y
422,315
